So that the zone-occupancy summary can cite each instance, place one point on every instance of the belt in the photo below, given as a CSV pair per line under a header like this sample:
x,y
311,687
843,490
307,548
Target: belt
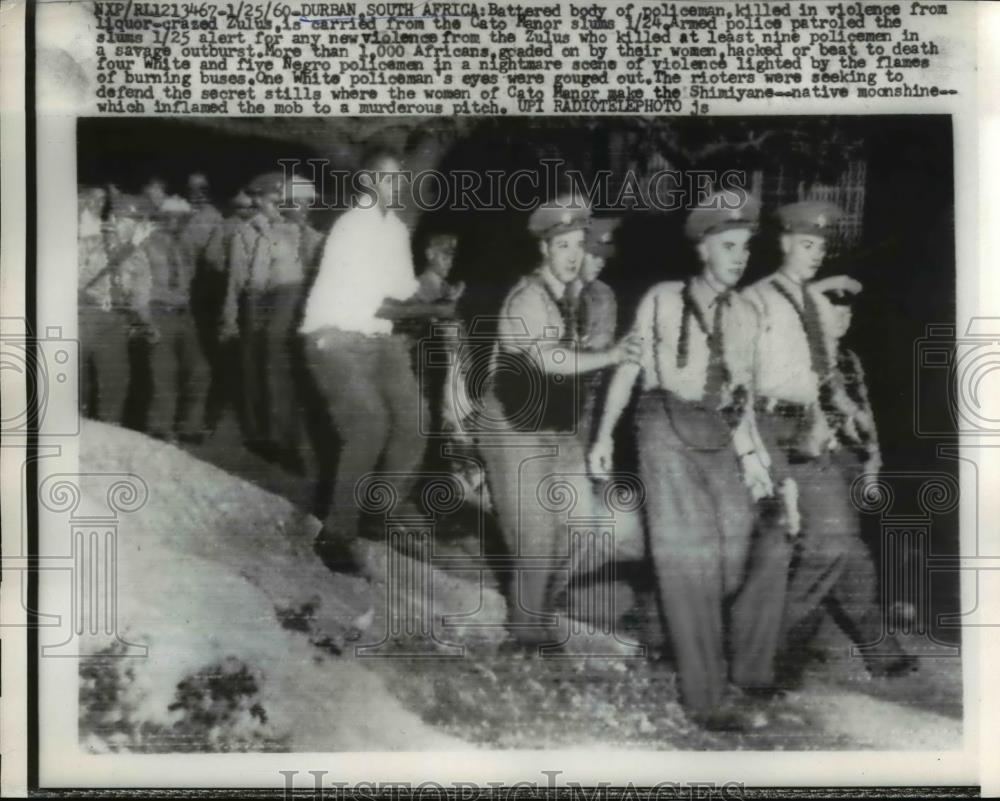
x,y
673,397
780,408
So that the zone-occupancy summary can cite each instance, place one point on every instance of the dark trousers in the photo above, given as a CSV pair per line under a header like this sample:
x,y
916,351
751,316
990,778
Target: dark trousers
x,y
105,373
831,564
373,401
208,293
537,482
270,407
179,375
710,568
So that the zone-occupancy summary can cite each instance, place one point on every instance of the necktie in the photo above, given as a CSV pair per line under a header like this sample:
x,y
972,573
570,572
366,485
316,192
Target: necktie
x,y
173,259
808,314
717,374
260,262
568,309
818,356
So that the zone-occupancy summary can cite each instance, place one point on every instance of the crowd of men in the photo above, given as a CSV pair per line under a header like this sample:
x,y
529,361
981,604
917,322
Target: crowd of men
x,y
751,421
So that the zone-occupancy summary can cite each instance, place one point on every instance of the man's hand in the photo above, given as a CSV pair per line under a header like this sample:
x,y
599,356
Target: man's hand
x,y
444,310
599,458
627,349
841,283
870,474
456,291
756,476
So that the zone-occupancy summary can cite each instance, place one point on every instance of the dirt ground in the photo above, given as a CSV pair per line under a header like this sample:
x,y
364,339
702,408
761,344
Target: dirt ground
x,y
254,529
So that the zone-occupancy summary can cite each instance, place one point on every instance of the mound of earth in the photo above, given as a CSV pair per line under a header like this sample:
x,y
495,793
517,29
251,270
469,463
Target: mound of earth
x,y
243,625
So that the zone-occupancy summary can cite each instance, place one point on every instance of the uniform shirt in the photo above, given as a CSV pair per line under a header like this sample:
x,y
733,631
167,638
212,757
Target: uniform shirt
x,y
659,322
171,270
198,231
131,280
432,287
217,249
784,368
94,279
365,260
310,248
598,315
658,325
531,312
263,255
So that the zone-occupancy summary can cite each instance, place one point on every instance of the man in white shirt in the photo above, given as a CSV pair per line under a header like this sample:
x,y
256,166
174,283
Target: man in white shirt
x,y
361,369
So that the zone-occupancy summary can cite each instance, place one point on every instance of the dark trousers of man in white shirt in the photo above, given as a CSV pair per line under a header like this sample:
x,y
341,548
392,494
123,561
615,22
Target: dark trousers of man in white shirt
x,y
271,410
712,573
375,405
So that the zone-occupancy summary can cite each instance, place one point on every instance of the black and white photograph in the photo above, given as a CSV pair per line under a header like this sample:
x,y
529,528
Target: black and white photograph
x,y
528,433
557,397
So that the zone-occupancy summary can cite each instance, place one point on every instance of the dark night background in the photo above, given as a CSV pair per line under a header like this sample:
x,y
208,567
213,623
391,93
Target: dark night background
x,y
903,250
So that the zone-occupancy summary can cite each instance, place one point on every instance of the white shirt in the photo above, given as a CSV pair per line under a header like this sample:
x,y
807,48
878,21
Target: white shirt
x,y
658,325
366,259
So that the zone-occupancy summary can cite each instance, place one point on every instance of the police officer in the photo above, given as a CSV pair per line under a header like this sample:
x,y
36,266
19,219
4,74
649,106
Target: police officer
x,y
129,289
800,397
195,236
855,443
102,336
301,196
530,419
177,366
598,306
702,467
598,309
428,337
263,296
223,354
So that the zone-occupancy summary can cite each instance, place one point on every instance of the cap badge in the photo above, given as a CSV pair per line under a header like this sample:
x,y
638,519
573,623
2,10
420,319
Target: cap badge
x,y
566,218
821,221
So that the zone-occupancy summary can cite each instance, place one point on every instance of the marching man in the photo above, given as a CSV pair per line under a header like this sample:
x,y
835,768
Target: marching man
x,y
801,401
533,414
703,467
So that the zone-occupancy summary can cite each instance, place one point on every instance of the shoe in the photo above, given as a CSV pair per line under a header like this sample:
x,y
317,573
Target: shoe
x,y
730,717
765,693
336,554
292,462
267,451
893,668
